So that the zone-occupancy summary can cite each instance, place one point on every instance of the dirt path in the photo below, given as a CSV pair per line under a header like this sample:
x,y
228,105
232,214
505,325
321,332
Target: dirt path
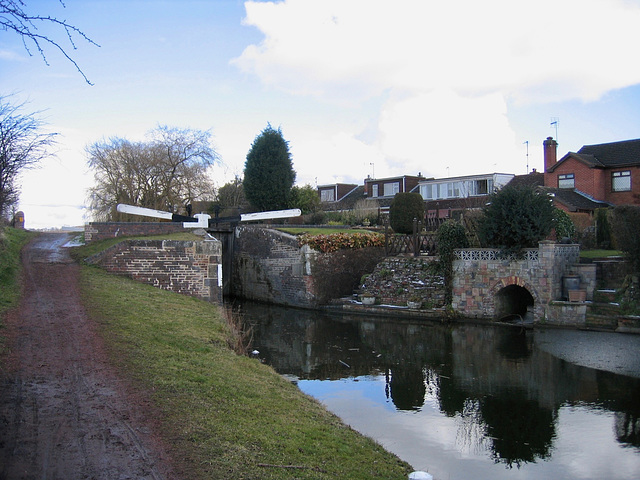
x,y
64,413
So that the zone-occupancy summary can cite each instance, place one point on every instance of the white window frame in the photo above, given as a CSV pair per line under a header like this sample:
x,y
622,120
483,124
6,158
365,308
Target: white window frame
x,y
374,190
327,195
621,181
391,188
567,180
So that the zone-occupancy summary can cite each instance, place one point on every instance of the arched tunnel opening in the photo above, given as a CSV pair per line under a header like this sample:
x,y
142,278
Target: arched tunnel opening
x,y
513,303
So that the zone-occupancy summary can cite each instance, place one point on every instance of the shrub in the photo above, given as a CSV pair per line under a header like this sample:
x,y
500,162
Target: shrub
x,y
516,218
404,208
624,227
564,225
603,230
338,241
450,235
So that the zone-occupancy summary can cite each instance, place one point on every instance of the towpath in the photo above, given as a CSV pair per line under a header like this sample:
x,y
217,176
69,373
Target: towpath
x,y
64,412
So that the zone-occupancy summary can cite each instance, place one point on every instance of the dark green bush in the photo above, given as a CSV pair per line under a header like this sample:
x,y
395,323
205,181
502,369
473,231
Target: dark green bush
x,y
603,229
516,218
450,235
404,208
625,221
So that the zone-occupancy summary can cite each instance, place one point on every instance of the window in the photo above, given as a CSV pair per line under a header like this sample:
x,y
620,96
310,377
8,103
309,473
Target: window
x,y
390,189
566,180
481,187
374,190
621,181
326,196
426,191
453,190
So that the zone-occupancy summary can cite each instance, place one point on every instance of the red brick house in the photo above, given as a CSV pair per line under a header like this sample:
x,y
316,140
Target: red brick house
x,y
608,173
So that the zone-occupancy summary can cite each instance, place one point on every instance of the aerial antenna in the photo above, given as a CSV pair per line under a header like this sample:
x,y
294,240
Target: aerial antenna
x,y
373,170
527,143
555,122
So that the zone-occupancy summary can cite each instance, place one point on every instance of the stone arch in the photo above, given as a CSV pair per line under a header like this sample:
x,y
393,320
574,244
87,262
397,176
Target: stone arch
x,y
512,297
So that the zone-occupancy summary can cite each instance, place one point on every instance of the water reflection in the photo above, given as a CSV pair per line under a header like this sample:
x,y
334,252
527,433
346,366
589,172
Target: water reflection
x,y
503,394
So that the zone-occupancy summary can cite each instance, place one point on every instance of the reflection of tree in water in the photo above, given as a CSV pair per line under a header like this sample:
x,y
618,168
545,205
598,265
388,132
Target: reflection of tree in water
x,y
472,432
406,387
521,431
627,428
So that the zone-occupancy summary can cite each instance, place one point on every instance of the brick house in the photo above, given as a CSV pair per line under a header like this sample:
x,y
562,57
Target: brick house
x,y
606,174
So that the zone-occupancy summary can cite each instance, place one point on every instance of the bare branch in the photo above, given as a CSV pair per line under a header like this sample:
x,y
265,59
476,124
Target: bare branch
x,y
14,18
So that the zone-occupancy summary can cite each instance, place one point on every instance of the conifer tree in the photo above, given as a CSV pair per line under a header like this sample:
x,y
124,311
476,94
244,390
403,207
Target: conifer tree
x,y
268,171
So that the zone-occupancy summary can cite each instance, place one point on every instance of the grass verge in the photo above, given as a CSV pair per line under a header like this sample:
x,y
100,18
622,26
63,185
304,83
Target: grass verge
x,y
11,242
226,416
600,253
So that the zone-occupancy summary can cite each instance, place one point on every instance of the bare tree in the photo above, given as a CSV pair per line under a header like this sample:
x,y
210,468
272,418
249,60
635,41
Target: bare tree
x,y
22,145
166,172
14,17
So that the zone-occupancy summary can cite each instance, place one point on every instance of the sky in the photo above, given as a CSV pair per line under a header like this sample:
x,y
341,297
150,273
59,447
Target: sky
x,y
359,88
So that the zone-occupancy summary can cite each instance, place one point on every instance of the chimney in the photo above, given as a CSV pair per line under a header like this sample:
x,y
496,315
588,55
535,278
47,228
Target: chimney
x,y
550,159
550,153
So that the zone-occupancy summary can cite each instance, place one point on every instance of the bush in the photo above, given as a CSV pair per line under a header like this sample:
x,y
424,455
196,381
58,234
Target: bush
x,y
516,218
624,227
603,230
450,235
338,241
564,225
404,208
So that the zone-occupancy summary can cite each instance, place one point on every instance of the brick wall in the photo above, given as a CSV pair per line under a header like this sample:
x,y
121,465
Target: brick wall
x,y
95,231
269,266
186,267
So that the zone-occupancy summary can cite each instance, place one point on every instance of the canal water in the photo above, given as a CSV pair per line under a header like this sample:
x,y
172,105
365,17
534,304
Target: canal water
x,y
466,401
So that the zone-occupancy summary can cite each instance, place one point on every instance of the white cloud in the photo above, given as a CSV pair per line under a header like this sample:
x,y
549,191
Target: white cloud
x,y
449,70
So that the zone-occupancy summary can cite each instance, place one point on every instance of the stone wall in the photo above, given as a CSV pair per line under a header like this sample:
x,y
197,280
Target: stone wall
x,y
187,267
270,266
479,274
95,231
395,280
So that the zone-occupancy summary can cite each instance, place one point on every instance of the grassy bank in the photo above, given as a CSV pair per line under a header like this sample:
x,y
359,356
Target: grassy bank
x,y
226,416
11,242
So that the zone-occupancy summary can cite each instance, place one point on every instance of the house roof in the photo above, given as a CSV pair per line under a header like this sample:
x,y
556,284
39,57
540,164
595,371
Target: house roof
x,y
606,155
575,201
533,179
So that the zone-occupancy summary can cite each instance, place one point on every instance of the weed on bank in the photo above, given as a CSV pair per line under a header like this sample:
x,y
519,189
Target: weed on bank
x,y
226,416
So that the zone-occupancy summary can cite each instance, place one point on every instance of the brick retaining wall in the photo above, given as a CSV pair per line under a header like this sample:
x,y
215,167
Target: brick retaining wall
x,y
186,267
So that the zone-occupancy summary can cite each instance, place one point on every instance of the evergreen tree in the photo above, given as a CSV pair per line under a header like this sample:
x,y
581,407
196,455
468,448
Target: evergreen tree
x,y
516,218
268,171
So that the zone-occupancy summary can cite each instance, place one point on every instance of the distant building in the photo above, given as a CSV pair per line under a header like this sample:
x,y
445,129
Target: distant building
x,y
443,196
335,192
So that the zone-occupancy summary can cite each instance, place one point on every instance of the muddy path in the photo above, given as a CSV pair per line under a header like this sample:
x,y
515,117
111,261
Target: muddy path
x,y
64,412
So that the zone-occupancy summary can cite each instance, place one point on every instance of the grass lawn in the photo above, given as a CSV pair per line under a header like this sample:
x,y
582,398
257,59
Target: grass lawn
x,y
226,416
600,253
